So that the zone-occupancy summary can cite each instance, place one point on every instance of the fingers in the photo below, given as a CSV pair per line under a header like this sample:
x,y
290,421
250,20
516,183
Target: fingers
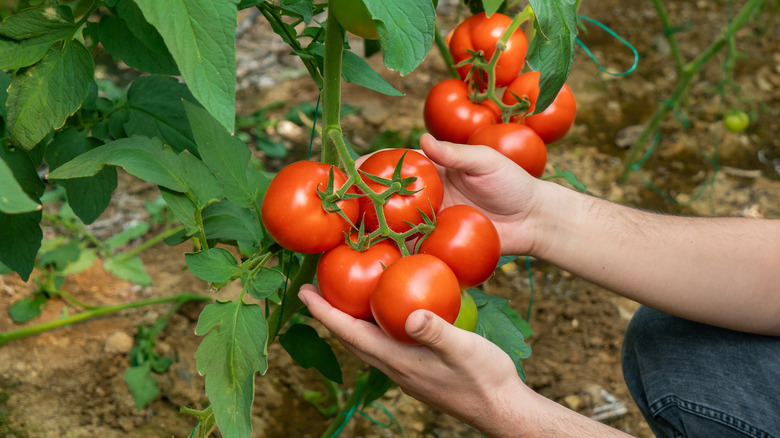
x,y
432,331
466,158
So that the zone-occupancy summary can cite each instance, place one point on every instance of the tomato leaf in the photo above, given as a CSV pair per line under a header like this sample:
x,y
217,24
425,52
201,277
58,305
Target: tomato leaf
x,y
309,350
228,223
153,108
225,155
119,41
13,199
54,87
130,269
497,323
183,209
88,196
232,351
27,308
377,385
265,283
202,41
552,50
215,265
143,386
34,22
408,35
491,6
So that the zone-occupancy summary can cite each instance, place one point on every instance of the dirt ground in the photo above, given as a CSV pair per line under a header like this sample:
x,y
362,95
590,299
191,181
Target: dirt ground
x,y
69,382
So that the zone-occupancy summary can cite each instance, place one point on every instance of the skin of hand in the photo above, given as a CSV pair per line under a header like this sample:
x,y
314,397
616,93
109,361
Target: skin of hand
x,y
455,371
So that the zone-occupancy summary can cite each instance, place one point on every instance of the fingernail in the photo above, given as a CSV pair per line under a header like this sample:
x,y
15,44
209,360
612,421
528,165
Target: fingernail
x,y
419,322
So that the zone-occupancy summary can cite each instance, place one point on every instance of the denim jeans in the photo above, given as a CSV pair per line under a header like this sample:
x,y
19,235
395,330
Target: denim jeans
x,y
695,380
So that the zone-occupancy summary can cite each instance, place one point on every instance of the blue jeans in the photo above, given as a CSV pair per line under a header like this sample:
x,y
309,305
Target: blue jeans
x,y
695,380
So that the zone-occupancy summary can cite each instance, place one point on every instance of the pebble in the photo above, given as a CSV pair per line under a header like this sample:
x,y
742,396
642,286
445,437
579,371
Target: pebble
x,y
118,342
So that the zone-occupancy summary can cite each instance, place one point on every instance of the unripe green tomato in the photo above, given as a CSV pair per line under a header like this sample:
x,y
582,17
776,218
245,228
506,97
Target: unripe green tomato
x,y
467,317
736,121
354,17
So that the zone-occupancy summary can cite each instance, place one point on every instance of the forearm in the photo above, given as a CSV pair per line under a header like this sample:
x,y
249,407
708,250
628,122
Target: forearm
x,y
720,271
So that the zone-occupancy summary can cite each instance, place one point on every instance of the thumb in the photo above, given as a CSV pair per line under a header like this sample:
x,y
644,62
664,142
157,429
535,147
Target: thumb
x,y
467,158
428,329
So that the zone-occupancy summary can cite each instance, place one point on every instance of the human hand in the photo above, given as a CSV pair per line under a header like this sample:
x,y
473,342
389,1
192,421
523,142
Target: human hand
x,y
455,371
481,177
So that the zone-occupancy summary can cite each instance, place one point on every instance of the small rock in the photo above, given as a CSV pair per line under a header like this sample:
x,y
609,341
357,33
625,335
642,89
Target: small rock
x,y
118,342
572,401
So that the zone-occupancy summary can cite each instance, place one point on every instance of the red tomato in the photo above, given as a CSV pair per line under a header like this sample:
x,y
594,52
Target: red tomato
x,y
467,241
292,210
518,142
401,209
346,276
552,123
481,33
419,281
450,115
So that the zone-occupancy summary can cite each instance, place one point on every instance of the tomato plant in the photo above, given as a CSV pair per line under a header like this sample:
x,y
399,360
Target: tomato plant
x,y
552,123
419,281
516,141
450,115
402,209
467,241
467,316
293,212
480,33
346,276
736,121
354,17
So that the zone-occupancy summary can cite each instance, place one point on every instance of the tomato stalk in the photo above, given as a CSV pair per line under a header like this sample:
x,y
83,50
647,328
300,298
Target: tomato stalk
x,y
331,91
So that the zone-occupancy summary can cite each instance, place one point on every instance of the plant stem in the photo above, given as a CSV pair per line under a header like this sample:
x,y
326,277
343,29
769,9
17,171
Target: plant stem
x,y
331,91
441,43
666,23
345,413
688,72
204,244
150,243
291,304
11,335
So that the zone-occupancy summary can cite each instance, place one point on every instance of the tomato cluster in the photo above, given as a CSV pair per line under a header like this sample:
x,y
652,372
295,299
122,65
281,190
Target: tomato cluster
x,y
310,207
463,111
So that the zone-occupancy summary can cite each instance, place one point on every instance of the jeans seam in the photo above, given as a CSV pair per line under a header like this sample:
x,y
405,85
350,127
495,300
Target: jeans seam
x,y
710,414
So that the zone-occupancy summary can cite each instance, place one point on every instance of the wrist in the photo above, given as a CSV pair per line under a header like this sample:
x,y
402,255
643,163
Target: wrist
x,y
552,211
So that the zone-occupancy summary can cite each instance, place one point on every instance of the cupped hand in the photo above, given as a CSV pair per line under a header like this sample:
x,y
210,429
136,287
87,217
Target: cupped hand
x,y
453,370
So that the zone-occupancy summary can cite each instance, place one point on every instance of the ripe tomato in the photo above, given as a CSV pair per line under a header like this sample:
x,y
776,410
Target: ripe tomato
x,y
467,317
419,281
552,123
354,17
401,209
481,33
518,142
467,241
346,276
292,210
450,115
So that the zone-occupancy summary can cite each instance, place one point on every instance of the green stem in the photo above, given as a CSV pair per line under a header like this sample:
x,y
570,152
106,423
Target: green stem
x,y
666,23
11,335
150,243
273,17
441,43
346,412
291,304
688,72
71,299
204,244
331,91
80,229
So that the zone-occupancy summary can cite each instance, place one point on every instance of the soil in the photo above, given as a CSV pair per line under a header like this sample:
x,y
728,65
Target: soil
x,y
69,382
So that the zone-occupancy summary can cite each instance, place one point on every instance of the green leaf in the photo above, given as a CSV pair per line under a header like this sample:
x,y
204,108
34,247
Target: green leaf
x,y
406,30
123,45
309,350
125,236
233,350
89,196
60,256
225,155
215,265
302,8
41,98
491,6
265,283
13,199
27,308
202,41
154,109
34,22
87,258
129,269
5,82
203,187
376,386
495,324
552,50
182,207
17,54
142,385
139,156
229,223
